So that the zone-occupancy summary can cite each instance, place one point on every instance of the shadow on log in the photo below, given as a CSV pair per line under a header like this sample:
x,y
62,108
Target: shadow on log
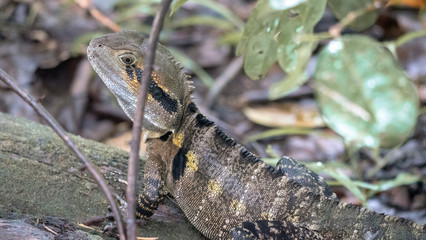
x,y
40,176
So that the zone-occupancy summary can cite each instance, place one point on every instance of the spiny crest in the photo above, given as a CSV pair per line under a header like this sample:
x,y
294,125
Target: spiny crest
x,y
248,155
252,158
177,63
185,77
192,107
224,137
202,121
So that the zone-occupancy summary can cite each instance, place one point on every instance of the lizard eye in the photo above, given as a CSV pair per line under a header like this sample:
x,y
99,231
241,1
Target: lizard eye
x,y
127,59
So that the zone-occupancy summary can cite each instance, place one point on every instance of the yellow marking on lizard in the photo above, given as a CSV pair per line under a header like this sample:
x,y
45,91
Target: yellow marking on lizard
x,y
178,139
237,207
145,203
266,216
132,83
192,163
294,219
214,188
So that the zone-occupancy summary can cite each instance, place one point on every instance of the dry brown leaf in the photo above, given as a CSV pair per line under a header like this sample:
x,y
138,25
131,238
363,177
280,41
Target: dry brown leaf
x,y
285,115
123,142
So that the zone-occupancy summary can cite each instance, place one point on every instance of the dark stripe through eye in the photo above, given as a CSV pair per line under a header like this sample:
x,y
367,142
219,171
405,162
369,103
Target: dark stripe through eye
x,y
169,104
129,71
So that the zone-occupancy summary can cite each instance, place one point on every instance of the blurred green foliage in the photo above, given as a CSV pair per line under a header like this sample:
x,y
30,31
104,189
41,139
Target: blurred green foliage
x,y
363,93
379,109
274,33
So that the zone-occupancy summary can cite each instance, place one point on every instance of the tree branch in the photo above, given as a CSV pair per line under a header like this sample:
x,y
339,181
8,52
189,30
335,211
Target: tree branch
x,y
137,124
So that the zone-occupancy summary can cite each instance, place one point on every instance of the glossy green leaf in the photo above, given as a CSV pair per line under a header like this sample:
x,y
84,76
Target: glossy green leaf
x,y
274,32
294,63
364,94
342,8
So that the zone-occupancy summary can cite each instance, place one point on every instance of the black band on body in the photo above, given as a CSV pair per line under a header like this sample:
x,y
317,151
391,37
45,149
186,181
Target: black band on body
x,y
179,163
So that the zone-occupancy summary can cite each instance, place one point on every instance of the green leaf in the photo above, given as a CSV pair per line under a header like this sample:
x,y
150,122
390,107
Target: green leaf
x,y
342,8
260,56
275,31
176,5
364,94
294,63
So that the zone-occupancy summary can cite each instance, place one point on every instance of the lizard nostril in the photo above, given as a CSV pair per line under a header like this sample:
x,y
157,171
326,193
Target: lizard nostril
x,y
100,45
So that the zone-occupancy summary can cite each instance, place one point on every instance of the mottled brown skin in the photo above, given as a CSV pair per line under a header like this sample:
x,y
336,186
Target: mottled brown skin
x,y
224,190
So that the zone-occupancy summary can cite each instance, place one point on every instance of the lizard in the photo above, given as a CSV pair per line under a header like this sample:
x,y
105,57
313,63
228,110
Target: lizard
x,y
224,190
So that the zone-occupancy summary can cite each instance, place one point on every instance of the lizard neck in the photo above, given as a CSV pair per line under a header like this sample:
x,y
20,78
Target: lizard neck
x,y
190,112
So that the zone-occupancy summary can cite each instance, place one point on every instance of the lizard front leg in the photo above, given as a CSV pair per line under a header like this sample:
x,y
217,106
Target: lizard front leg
x,y
152,194
149,199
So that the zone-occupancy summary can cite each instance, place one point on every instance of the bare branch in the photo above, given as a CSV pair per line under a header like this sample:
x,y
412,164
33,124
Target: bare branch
x,y
98,15
137,124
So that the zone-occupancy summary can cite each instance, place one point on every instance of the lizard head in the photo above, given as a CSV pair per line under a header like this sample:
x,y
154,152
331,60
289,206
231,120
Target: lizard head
x,y
118,59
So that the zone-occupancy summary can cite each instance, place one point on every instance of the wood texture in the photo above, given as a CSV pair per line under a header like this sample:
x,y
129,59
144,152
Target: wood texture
x,y
40,177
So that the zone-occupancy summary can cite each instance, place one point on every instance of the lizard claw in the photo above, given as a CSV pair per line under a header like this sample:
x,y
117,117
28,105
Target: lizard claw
x,y
122,205
111,227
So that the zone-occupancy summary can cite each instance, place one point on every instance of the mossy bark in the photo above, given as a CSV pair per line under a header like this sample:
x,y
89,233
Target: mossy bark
x,y
40,176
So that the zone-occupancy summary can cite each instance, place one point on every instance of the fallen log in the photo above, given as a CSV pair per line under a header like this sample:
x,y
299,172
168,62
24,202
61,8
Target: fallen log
x,y
40,177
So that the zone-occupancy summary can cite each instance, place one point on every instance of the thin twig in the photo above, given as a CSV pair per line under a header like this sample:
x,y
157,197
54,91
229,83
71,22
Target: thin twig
x,y
98,15
137,124
337,29
62,134
79,94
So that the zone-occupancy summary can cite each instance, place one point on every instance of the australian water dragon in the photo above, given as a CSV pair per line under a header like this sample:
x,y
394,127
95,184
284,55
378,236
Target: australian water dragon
x,y
224,190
